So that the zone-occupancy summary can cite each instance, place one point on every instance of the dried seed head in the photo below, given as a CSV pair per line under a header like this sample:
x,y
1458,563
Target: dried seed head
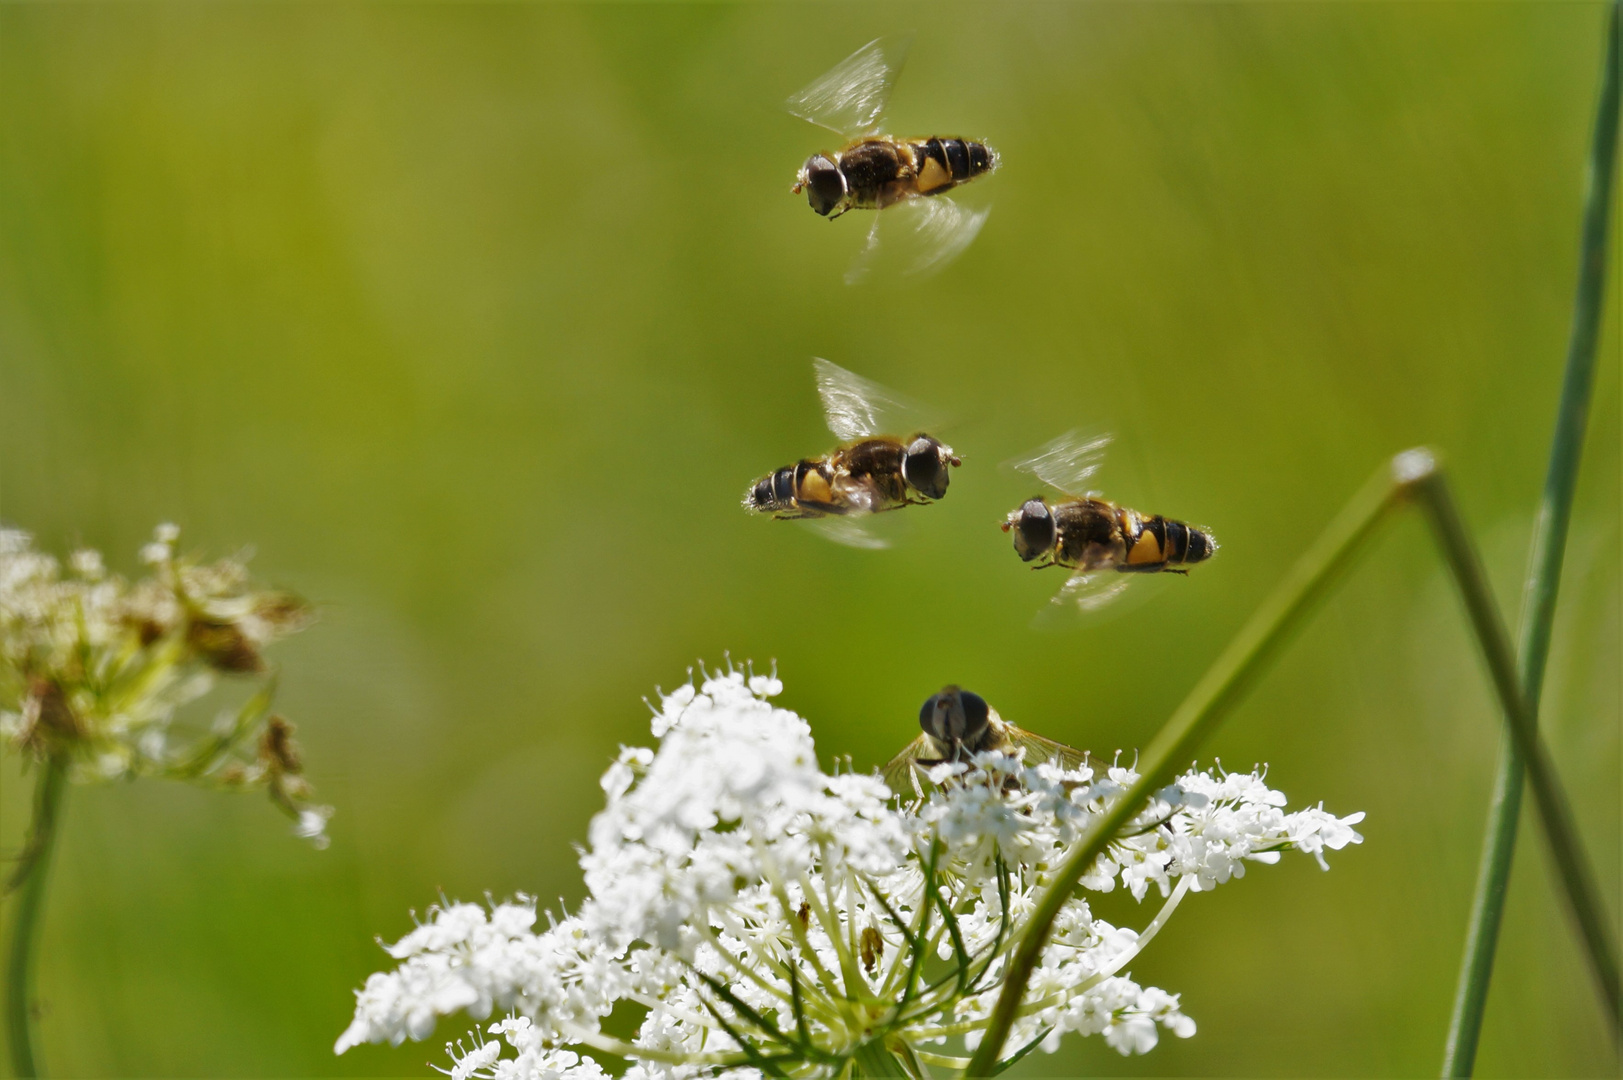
x,y
224,646
277,750
95,668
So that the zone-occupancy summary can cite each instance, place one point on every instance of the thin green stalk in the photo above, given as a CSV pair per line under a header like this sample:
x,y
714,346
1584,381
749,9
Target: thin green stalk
x,y
1560,829
48,792
1544,573
1412,475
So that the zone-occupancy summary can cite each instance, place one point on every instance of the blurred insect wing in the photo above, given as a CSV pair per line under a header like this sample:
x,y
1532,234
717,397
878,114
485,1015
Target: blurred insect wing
x,y
1067,463
1084,598
1040,749
920,237
844,531
1091,592
901,772
855,407
940,231
850,99
1105,597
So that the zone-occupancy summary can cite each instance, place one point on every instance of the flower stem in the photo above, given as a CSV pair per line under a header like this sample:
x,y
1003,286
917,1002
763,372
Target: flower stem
x,y
873,1059
1544,574
1145,936
1411,476
30,883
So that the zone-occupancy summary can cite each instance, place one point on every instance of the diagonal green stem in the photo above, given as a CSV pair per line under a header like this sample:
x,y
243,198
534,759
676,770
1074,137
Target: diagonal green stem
x,y
1544,574
1560,830
1201,711
1413,475
25,928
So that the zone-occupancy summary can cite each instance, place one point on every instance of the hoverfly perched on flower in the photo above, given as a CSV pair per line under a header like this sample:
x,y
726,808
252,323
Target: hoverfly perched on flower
x,y
959,724
1097,540
874,171
871,473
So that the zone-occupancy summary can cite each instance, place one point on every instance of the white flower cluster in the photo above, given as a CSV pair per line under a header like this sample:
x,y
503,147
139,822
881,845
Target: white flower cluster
x,y
94,668
767,917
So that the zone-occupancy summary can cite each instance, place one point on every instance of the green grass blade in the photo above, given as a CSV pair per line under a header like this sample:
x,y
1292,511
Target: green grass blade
x,y
1544,574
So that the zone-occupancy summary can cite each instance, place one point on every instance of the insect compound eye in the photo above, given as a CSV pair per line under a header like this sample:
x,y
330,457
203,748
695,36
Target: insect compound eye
x,y
954,715
924,469
930,718
825,187
976,715
942,716
1034,533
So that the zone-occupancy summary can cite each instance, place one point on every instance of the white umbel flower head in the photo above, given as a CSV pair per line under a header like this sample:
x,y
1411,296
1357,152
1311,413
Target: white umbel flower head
x,y
772,917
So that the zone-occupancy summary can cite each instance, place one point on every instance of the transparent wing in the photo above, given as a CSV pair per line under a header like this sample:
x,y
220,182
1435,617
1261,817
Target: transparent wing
x,y
900,772
843,530
1068,462
1040,749
1105,596
1083,598
857,408
1091,592
939,231
921,236
850,99
863,264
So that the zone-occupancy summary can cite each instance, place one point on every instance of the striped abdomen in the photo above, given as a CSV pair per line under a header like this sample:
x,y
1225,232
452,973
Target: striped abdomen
x,y
940,164
1160,543
804,489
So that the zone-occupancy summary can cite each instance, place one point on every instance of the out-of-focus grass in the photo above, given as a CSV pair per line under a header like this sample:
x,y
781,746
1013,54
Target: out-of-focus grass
x,y
476,320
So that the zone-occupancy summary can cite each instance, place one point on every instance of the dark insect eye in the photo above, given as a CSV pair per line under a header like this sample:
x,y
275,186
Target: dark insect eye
x,y
954,715
1034,534
923,468
927,716
976,714
825,187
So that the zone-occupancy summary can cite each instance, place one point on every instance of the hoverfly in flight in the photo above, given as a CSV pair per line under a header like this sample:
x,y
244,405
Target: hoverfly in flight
x,y
958,724
876,171
1097,540
870,473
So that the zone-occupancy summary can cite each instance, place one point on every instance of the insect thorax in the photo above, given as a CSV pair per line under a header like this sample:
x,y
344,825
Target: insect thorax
x,y
1089,534
875,170
878,463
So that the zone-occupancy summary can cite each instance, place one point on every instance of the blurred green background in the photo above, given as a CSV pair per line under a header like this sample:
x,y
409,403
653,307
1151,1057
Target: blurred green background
x,y
475,321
